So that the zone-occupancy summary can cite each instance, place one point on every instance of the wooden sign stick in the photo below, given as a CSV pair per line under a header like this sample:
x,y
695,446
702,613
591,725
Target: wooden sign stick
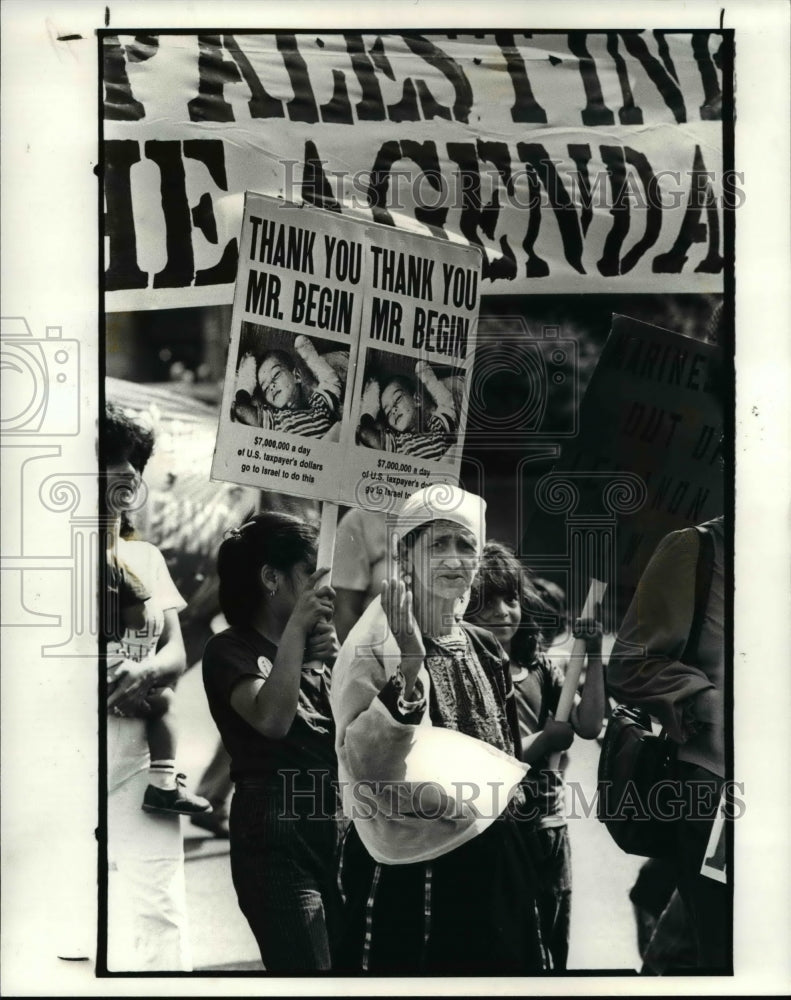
x,y
329,523
576,662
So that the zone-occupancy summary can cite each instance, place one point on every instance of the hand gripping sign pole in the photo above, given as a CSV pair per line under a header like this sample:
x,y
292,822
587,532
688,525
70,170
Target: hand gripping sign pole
x,y
329,522
326,551
576,663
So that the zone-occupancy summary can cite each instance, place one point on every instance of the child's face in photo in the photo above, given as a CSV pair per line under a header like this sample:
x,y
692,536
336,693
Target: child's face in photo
x,y
399,407
279,384
501,614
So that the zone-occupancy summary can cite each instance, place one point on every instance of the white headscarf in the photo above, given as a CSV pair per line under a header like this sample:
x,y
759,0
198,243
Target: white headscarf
x,y
443,502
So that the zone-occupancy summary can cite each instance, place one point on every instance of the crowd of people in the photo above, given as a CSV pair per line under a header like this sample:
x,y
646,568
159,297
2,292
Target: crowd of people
x,y
397,767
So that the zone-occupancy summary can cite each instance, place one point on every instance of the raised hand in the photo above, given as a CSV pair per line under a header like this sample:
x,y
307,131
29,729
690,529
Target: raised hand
x,y
313,605
398,608
590,631
397,604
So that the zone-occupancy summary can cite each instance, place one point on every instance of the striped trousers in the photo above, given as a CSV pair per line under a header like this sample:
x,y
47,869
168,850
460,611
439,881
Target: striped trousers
x,y
284,866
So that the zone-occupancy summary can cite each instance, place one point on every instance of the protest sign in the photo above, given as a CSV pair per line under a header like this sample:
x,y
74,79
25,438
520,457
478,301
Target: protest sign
x,y
567,157
317,415
647,459
416,352
284,416
715,858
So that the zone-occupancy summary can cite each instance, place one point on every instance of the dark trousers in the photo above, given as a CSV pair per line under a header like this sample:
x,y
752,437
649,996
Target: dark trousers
x,y
284,871
707,901
470,912
550,853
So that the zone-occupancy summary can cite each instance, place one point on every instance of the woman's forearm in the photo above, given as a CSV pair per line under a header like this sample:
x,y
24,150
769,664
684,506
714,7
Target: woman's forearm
x,y
130,682
170,661
588,715
410,667
276,701
161,669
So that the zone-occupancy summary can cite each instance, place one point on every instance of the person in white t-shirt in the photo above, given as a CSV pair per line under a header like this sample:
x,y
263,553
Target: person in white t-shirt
x,y
359,565
145,653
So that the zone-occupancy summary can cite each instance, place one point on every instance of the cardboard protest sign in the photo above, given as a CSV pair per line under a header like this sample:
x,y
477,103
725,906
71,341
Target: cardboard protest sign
x,y
715,858
296,318
416,352
350,343
646,460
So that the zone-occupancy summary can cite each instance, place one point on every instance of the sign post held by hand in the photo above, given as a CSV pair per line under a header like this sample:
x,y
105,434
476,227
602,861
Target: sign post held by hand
x,y
326,551
576,662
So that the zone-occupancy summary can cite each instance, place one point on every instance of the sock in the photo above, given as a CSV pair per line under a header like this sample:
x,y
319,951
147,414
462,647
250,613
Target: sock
x,y
162,773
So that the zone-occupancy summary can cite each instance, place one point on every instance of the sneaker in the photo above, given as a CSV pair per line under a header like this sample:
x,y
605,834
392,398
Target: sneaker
x,y
214,822
175,800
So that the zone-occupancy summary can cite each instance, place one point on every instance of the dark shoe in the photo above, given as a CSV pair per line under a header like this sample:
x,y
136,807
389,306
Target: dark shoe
x,y
175,800
213,822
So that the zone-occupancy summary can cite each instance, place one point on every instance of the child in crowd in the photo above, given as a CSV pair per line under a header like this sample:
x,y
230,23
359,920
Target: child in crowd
x,y
126,597
409,430
505,601
126,617
280,400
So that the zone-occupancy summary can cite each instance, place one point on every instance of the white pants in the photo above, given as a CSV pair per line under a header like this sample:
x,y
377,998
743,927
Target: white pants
x,y
146,905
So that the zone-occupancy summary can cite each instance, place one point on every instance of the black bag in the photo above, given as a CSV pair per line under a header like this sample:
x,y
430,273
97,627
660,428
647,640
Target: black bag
x,y
636,768
635,784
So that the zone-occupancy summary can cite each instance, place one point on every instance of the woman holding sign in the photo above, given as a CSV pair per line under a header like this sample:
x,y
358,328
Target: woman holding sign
x,y
434,870
267,684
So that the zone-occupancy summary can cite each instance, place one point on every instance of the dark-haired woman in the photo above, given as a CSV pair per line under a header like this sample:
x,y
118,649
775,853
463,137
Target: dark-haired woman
x,y
145,655
273,714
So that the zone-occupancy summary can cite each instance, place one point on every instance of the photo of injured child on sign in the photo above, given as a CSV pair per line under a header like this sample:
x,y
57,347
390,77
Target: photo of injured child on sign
x,y
293,344
289,383
409,407
407,413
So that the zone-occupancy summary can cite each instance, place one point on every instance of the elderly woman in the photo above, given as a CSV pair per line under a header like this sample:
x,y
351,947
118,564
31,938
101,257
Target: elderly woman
x,y
434,869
